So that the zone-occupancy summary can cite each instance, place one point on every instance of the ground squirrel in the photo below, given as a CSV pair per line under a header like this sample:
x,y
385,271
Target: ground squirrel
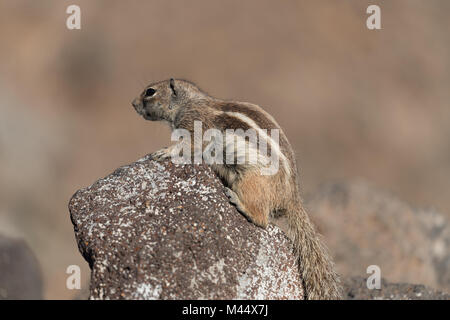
x,y
261,198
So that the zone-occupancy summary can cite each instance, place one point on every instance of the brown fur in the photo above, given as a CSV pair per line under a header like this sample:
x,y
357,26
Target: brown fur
x,y
262,199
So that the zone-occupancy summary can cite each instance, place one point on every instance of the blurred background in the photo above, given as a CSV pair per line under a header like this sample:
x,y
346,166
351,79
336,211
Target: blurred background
x,y
355,103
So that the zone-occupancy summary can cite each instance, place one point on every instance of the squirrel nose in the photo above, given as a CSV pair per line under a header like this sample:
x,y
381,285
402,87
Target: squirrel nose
x,y
135,102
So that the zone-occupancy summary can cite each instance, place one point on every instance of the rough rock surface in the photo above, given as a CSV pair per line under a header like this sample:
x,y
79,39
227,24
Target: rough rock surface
x,y
364,226
20,275
157,230
355,288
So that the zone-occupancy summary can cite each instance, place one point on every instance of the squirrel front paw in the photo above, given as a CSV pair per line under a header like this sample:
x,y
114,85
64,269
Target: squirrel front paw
x,y
161,155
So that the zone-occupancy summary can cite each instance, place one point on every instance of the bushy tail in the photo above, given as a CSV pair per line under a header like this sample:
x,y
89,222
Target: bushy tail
x,y
320,280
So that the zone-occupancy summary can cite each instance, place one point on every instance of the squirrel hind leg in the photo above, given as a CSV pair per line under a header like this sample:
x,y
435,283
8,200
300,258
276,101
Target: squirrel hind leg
x,y
254,217
250,200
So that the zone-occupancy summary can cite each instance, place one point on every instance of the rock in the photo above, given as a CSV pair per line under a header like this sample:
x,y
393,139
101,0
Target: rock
x,y
20,276
157,230
355,288
364,226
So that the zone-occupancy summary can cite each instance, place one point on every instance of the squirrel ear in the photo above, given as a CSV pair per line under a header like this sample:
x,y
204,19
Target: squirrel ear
x,y
172,86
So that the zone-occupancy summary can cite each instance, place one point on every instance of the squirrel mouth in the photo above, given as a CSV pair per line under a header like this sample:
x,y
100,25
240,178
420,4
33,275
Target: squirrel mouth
x,y
148,116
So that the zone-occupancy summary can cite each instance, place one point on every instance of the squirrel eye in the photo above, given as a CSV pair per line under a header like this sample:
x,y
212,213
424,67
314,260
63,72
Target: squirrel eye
x,y
150,92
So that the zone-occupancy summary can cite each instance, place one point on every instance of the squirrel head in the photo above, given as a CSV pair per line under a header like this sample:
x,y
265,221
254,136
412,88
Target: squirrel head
x,y
163,100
